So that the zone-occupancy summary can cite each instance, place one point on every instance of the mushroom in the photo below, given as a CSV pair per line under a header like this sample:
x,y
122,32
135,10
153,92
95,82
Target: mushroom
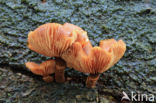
x,y
94,60
44,69
53,40
70,46
43,1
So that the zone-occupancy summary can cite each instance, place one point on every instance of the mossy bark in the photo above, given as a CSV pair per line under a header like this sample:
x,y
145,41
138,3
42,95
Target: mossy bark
x,y
132,21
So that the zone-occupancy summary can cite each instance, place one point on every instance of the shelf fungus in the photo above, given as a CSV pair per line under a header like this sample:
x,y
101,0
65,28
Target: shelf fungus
x,y
53,40
70,46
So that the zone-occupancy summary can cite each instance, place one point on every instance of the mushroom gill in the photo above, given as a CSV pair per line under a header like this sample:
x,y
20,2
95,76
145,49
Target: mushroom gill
x,y
49,40
118,49
105,56
75,54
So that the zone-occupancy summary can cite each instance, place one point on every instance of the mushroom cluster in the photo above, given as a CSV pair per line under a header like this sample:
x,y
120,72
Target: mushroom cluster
x,y
70,46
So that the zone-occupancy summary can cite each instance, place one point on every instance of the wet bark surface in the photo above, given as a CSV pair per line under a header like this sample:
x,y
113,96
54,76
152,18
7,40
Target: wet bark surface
x,y
131,20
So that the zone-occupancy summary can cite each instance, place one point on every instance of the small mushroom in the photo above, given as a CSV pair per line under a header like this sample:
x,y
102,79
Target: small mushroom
x,y
94,60
44,69
43,1
53,40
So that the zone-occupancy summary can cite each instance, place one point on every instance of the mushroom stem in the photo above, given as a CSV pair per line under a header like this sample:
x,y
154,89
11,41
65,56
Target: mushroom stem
x,y
91,80
43,1
48,78
59,72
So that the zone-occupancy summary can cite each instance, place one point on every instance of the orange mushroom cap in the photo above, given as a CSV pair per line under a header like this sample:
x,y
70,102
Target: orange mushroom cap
x,y
67,28
43,69
85,58
53,39
118,48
